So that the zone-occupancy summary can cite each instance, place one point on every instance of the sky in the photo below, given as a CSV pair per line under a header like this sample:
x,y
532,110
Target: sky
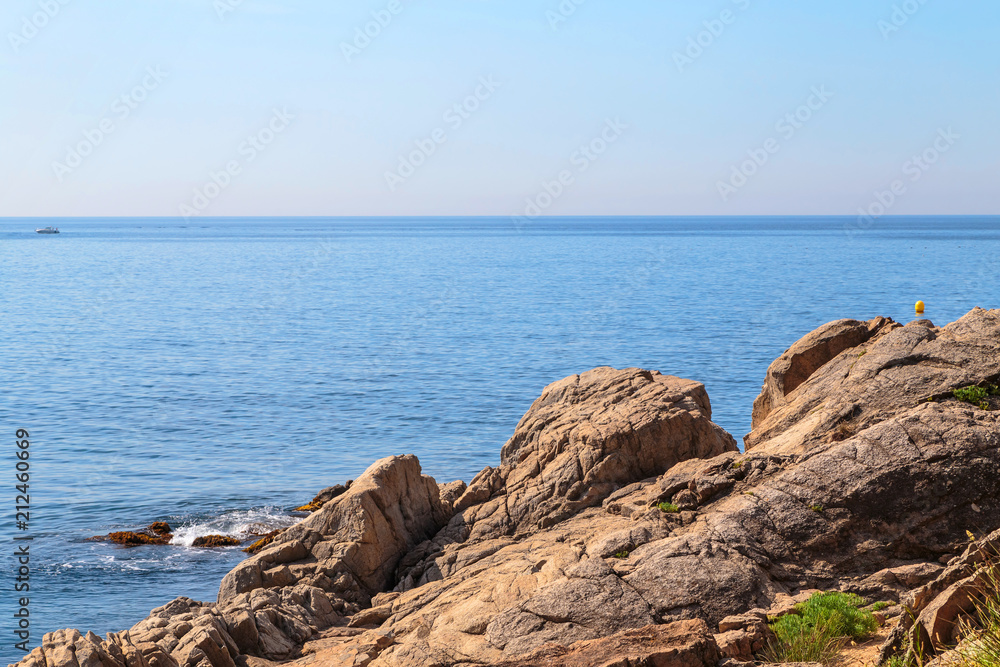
x,y
488,107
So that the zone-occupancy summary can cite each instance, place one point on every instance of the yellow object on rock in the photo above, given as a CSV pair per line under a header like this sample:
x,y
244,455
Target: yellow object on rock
x,y
920,307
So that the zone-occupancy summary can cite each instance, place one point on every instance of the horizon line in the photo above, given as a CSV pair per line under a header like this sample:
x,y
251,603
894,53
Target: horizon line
x,y
483,217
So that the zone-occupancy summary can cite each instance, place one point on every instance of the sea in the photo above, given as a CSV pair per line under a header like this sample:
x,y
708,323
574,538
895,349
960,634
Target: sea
x,y
216,373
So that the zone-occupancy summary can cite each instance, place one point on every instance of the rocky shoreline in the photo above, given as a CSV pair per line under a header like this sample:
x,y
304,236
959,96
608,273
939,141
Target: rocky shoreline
x,y
624,528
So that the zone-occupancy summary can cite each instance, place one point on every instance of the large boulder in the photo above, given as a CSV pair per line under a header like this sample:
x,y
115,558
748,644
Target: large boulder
x,y
360,535
808,355
508,574
893,371
585,437
331,564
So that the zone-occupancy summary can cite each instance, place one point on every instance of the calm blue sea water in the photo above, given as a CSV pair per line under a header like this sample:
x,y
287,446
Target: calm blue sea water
x,y
216,373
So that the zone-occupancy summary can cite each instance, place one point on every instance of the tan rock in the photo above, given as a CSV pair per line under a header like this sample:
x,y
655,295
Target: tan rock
x,y
808,355
361,533
681,644
744,636
590,434
450,493
371,616
939,620
891,372
784,604
342,649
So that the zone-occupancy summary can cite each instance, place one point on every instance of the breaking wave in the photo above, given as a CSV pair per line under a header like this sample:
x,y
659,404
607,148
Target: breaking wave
x,y
241,524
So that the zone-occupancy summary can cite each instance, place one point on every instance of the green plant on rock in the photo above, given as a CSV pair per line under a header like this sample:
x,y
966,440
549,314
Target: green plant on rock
x,y
622,554
879,606
816,508
978,396
669,508
818,627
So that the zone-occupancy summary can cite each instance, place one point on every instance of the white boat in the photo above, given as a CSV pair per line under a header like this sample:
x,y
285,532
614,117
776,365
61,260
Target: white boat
x,y
47,230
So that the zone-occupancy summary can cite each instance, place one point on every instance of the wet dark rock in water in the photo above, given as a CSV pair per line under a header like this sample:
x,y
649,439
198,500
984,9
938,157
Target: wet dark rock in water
x,y
130,538
213,541
160,533
324,496
160,528
262,542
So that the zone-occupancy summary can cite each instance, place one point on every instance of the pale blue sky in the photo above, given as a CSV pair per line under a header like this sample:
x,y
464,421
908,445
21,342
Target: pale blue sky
x,y
686,126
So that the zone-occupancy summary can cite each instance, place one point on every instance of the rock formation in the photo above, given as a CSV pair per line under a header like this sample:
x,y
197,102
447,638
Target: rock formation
x,y
623,527
939,604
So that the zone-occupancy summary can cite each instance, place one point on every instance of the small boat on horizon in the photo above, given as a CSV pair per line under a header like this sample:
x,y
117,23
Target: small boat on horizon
x,y
47,230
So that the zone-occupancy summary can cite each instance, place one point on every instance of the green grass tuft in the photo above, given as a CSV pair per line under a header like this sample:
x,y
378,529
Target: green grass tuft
x,y
815,632
669,508
879,606
816,508
622,554
981,640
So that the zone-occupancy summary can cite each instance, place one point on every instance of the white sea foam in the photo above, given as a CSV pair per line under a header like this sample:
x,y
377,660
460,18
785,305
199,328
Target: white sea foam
x,y
242,525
